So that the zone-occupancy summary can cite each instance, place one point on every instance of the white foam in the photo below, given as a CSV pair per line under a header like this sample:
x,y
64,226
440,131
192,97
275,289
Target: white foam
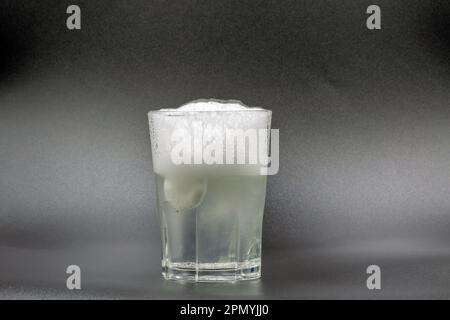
x,y
215,105
213,114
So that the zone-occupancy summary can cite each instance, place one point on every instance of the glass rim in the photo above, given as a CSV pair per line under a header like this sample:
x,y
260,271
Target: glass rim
x,y
177,112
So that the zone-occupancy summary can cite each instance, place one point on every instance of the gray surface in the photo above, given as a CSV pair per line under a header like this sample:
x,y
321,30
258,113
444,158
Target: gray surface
x,y
364,124
410,269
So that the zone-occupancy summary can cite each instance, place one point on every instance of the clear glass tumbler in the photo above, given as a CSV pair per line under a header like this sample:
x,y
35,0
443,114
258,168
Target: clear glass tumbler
x,y
211,213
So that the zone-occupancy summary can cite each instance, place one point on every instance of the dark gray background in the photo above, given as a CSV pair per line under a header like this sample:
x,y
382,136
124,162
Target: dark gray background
x,y
364,120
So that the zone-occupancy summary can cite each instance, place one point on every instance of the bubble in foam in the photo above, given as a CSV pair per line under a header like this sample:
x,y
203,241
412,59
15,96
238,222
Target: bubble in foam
x,y
185,192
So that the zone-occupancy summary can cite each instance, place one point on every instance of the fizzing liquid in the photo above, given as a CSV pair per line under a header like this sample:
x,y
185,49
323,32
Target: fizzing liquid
x,y
211,212
214,232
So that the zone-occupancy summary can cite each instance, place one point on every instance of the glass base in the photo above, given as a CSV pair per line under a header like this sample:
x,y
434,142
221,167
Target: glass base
x,y
212,272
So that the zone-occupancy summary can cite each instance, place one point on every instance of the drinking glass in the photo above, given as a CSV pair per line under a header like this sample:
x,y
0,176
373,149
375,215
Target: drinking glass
x,y
211,214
